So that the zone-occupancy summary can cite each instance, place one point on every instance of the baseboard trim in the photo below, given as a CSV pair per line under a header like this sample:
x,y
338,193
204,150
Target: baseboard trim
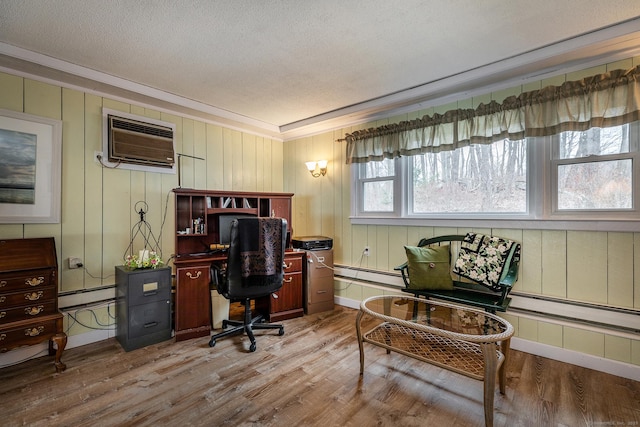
x,y
609,366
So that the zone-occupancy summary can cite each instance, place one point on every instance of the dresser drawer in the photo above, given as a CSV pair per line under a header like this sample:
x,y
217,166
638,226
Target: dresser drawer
x,y
32,279
26,312
144,286
31,296
29,332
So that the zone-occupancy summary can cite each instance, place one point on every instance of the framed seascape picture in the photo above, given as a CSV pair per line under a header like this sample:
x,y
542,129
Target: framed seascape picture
x,y
30,163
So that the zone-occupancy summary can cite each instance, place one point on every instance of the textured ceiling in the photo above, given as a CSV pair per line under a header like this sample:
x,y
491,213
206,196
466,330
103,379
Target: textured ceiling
x,y
281,62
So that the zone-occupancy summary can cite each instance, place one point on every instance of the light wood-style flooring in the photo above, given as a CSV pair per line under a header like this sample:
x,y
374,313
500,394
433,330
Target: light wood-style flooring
x,y
308,377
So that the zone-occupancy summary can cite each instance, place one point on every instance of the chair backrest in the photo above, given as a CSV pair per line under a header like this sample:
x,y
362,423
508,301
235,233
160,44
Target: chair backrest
x,y
255,263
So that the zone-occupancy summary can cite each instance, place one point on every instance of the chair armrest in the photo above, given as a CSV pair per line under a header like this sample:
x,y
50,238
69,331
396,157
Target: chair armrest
x,y
404,271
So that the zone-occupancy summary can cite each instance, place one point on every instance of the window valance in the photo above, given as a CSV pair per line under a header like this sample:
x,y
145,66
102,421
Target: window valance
x,y
603,100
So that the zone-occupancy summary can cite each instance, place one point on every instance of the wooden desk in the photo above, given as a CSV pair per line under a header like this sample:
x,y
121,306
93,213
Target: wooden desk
x,y
193,298
29,296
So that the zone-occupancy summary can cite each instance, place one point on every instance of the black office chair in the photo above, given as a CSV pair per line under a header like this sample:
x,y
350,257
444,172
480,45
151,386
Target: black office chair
x,y
255,268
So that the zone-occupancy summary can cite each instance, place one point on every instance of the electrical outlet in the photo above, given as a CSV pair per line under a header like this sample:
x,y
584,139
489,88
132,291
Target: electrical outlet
x,y
366,251
75,262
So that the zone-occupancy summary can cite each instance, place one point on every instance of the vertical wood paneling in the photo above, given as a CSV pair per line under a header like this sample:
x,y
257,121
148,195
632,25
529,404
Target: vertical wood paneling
x,y
249,162
42,99
587,266
554,263
619,275
200,150
215,157
636,270
73,174
11,88
227,158
93,209
530,272
263,146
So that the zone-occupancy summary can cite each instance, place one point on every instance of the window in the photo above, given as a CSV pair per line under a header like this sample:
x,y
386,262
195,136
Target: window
x,y
573,175
594,170
472,179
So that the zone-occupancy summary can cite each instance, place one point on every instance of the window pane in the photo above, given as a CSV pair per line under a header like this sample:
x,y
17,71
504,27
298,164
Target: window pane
x,y
595,141
381,169
378,196
596,185
477,178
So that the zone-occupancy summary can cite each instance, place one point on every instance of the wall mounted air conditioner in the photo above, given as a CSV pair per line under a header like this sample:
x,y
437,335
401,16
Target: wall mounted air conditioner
x,y
137,143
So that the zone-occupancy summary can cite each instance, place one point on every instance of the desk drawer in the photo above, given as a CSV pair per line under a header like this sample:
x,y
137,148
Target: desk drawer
x,y
28,333
30,311
31,296
32,279
292,264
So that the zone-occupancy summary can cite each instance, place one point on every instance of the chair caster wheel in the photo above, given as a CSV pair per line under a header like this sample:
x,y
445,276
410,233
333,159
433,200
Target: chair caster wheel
x,y
212,343
252,347
281,332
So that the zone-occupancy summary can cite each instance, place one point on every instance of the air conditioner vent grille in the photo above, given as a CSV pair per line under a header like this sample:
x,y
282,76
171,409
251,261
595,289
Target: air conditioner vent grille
x,y
139,127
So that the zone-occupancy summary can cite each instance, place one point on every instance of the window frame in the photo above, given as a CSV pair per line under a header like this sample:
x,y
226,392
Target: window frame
x,y
542,198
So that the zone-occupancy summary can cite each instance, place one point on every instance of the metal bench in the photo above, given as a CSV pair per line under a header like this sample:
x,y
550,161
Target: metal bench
x,y
466,291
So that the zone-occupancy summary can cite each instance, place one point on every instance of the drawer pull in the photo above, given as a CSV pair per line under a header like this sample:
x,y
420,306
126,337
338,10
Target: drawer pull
x,y
3,299
33,311
2,314
150,324
287,279
35,281
2,337
287,266
274,296
34,332
192,277
321,292
33,296
3,283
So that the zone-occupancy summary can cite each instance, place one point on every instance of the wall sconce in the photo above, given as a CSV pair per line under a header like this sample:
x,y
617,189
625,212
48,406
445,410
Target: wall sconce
x,y
317,168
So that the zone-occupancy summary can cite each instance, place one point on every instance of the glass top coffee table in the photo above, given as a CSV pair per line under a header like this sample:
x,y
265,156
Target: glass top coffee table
x,y
458,338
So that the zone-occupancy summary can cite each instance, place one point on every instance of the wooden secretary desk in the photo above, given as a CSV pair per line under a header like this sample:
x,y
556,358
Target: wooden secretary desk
x,y
200,215
29,296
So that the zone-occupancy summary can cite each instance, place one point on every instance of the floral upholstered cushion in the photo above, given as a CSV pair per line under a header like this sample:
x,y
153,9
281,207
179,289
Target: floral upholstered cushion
x,y
484,259
429,267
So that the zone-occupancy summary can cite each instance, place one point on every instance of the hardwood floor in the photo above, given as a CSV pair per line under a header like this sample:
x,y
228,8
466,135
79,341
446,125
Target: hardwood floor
x,y
308,377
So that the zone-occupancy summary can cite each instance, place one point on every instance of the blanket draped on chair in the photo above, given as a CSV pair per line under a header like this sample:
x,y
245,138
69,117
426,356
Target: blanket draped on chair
x,y
484,259
261,255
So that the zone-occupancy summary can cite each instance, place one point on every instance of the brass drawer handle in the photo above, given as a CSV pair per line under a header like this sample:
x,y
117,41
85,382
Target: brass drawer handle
x,y
197,276
33,311
33,296
2,314
3,283
3,299
35,281
287,266
34,332
287,279
2,336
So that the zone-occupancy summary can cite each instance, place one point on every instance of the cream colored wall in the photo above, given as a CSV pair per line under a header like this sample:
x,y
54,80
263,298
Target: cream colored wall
x,y
592,267
98,203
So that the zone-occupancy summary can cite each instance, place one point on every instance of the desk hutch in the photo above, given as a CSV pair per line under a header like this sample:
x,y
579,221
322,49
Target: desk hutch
x,y
197,232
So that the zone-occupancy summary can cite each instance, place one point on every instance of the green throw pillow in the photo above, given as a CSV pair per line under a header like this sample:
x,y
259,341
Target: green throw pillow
x,y
429,267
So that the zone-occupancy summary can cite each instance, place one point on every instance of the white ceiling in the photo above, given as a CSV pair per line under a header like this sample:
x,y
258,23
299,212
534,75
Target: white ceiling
x,y
286,67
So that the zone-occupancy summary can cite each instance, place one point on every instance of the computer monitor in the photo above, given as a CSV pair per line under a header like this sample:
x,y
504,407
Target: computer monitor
x,y
224,226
